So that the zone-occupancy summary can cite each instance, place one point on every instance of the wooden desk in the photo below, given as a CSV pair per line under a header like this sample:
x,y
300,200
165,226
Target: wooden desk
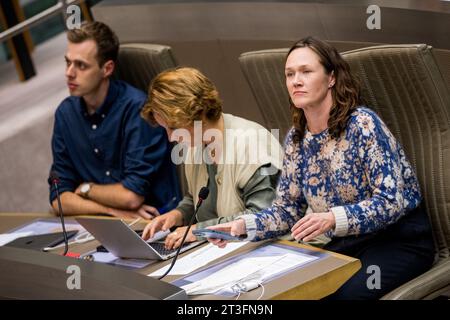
x,y
313,281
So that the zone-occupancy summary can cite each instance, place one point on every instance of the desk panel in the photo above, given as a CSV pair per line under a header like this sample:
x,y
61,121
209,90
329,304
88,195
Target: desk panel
x,y
312,281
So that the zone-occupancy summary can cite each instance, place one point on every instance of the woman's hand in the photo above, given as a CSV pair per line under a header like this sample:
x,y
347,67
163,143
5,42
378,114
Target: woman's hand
x,y
312,225
173,239
163,222
235,228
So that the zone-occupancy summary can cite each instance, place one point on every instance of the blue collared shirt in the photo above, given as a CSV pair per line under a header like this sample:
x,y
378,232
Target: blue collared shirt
x,y
113,145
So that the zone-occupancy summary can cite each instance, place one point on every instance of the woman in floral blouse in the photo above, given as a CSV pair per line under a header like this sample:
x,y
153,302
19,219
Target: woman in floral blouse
x,y
345,177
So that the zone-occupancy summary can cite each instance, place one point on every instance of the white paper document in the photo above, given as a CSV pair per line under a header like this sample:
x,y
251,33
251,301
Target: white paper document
x,y
287,262
159,235
230,275
8,237
253,268
41,226
198,258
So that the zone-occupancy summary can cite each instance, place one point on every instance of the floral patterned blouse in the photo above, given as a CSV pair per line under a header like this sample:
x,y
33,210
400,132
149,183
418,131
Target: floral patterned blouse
x,y
363,177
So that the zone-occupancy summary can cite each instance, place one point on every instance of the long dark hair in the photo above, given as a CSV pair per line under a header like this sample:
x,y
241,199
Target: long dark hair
x,y
345,92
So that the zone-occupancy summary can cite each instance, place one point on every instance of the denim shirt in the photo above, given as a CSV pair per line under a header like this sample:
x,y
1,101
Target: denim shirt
x,y
113,145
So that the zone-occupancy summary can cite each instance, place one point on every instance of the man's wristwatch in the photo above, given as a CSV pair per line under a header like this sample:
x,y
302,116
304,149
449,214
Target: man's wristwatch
x,y
84,190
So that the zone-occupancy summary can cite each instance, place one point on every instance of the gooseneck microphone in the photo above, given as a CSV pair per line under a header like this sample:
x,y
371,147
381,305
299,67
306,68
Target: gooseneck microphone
x,y
202,195
54,179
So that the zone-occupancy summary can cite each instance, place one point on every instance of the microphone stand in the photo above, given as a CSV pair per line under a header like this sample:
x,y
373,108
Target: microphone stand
x,y
61,215
200,201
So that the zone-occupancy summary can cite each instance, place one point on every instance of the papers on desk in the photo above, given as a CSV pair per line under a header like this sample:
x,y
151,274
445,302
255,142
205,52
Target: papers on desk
x,y
41,226
198,259
256,269
8,237
159,235
259,265
230,275
286,262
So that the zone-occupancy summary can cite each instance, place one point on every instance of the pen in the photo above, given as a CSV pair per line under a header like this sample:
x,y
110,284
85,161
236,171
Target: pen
x,y
168,206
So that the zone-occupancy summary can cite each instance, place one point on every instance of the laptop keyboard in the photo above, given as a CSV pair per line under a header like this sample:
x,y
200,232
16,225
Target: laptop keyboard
x,y
159,247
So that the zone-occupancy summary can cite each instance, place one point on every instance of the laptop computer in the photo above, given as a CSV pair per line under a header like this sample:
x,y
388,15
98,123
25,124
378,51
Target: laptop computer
x,y
123,242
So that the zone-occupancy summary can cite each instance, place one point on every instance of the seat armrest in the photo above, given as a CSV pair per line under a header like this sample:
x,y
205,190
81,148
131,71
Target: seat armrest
x,y
436,278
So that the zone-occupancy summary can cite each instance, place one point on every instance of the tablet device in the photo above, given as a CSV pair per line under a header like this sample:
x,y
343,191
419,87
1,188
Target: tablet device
x,y
209,233
41,241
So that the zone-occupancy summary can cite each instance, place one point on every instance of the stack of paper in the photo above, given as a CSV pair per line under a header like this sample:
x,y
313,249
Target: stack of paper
x,y
230,275
198,259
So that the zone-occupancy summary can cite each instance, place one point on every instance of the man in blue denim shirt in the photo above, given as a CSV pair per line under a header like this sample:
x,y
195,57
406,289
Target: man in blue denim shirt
x,y
108,159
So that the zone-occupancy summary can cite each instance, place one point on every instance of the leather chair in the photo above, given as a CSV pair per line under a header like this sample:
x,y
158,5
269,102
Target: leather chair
x,y
138,64
404,85
264,71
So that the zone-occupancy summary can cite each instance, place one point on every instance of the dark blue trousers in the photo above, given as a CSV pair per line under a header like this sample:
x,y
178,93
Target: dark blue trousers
x,y
389,258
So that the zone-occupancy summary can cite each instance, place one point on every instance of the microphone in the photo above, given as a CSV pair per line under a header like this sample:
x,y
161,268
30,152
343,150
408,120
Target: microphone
x,y
202,195
54,179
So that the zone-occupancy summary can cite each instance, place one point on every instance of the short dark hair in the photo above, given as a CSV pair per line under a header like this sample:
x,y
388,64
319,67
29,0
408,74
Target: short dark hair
x,y
106,40
346,93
